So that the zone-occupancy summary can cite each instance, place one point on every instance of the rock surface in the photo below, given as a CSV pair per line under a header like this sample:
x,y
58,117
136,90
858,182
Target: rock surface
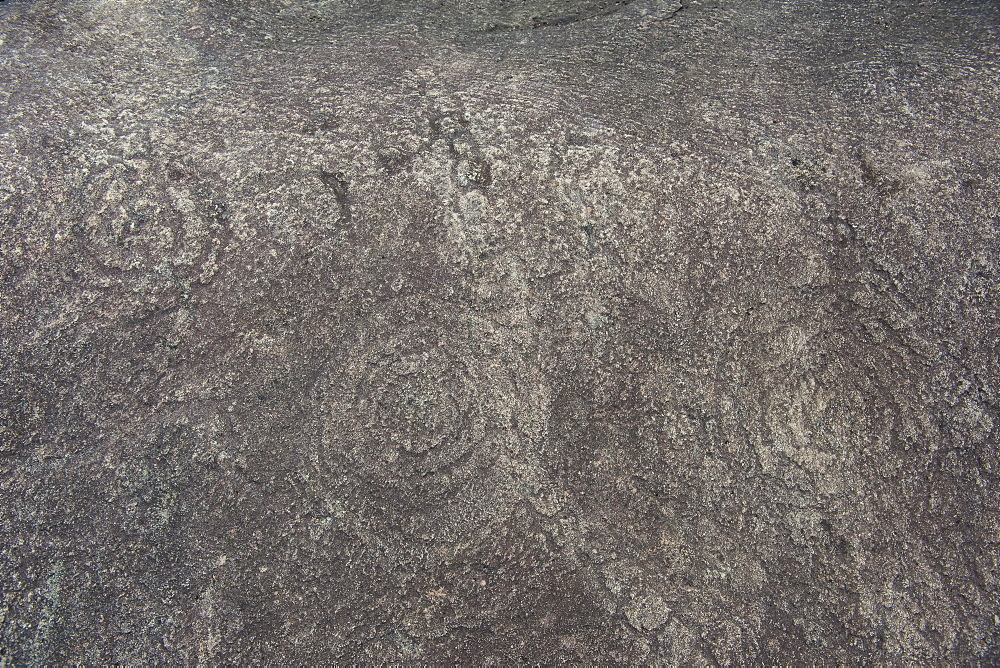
x,y
499,332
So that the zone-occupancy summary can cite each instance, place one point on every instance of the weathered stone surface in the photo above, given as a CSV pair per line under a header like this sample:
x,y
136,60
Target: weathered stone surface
x,y
498,332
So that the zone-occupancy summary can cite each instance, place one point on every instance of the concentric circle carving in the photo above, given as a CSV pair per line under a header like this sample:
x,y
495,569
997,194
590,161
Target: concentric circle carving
x,y
414,401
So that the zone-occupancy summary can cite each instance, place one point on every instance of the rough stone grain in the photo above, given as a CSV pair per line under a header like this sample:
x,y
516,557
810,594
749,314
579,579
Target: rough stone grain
x,y
492,332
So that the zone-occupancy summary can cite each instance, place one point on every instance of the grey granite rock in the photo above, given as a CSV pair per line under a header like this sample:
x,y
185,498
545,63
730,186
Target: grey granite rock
x,y
497,332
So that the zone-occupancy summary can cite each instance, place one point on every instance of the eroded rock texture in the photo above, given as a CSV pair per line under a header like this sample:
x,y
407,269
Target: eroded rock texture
x,y
497,332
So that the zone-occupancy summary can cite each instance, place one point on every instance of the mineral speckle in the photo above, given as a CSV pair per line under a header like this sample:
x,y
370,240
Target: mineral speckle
x,y
493,332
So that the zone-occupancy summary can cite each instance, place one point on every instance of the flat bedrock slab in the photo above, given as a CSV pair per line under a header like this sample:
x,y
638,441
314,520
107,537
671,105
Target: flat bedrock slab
x,y
499,333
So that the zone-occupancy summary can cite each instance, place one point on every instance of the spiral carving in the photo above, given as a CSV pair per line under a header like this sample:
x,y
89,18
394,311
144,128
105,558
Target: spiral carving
x,y
414,400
